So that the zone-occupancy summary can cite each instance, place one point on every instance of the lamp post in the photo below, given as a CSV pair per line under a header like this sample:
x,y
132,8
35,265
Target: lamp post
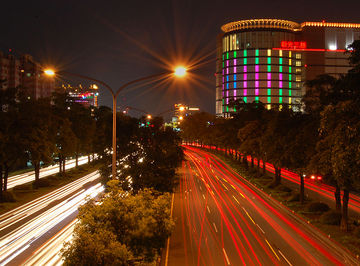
x,y
179,72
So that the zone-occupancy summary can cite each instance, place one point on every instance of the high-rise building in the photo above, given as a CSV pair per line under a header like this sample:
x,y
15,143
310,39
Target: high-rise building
x,y
27,74
268,60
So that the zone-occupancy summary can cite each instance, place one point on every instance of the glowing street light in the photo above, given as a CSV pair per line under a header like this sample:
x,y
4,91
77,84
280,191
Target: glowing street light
x,y
148,116
181,108
49,72
181,118
178,72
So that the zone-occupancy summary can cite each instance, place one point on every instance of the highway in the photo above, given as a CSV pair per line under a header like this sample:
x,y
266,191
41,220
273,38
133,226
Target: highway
x,y
316,189
221,219
34,232
46,171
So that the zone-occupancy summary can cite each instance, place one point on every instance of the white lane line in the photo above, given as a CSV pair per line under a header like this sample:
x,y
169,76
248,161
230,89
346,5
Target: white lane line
x,y
200,187
215,227
226,257
284,257
208,208
260,229
203,196
236,199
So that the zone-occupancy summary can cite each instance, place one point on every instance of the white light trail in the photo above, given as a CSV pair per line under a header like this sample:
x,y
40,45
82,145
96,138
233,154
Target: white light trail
x,y
21,238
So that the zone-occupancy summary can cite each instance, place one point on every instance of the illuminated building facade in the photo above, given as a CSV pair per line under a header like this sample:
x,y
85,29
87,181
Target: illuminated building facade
x,y
268,60
84,96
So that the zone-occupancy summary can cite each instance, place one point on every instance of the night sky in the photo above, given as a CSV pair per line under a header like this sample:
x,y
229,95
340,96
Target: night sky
x,y
118,41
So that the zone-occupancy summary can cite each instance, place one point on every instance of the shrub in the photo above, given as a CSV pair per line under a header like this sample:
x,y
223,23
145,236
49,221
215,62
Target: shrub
x,y
357,232
26,186
331,217
318,207
41,183
283,188
8,196
294,197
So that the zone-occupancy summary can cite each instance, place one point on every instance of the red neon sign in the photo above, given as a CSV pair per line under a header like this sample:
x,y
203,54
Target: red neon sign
x,y
293,45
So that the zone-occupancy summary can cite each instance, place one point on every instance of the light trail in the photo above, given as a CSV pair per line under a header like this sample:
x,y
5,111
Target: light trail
x,y
289,239
50,170
33,222
322,189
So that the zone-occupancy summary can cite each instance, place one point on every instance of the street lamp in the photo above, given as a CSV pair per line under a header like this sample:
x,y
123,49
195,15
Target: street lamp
x,y
178,72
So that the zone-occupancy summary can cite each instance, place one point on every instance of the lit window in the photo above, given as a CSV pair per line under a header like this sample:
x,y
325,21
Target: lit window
x,y
298,70
269,52
280,53
298,56
298,78
298,63
28,74
289,53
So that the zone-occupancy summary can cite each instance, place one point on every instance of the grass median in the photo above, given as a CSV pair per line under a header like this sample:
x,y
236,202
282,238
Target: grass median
x,y
24,193
317,213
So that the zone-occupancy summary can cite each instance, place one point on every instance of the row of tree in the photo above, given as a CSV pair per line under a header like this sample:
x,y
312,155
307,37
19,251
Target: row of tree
x,y
324,139
43,131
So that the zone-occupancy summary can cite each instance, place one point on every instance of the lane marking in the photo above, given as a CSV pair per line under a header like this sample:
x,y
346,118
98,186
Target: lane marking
x,y
203,196
248,215
224,186
242,195
208,209
260,229
226,257
215,227
267,242
284,257
200,187
236,200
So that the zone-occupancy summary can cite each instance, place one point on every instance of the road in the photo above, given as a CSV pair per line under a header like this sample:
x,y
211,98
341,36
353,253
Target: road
x,y
316,190
221,219
46,171
35,231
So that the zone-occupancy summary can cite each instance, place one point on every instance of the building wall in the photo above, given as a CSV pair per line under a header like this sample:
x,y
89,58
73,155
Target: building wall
x,y
254,65
27,74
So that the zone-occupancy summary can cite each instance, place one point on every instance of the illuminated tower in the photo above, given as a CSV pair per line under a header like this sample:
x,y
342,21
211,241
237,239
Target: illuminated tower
x,y
268,60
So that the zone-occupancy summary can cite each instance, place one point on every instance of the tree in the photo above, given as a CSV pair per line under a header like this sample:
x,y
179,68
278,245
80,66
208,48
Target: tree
x,y
38,131
83,126
11,143
301,142
66,141
274,140
134,228
341,124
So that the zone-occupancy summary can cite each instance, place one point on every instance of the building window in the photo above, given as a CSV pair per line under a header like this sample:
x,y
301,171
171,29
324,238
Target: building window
x,y
298,56
298,78
28,74
298,70
298,63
